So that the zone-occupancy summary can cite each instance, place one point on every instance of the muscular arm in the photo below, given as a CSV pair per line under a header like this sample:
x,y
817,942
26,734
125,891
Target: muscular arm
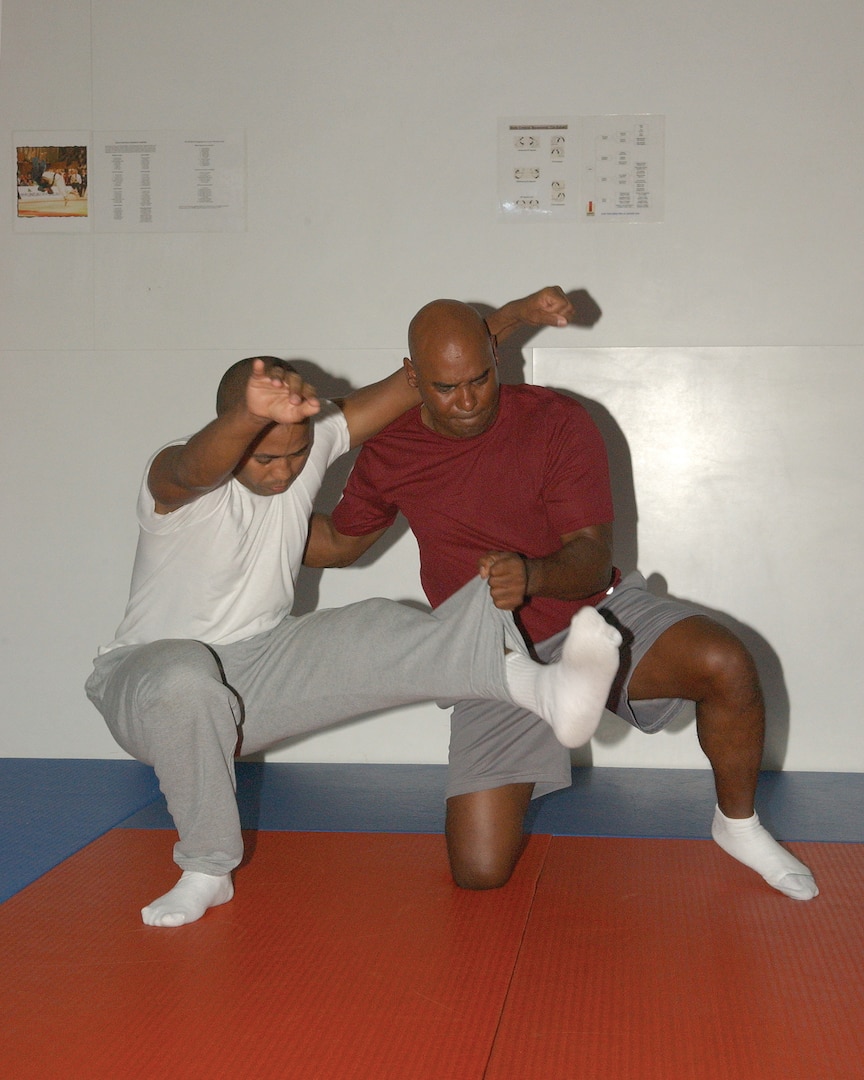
x,y
373,407
327,547
182,474
581,567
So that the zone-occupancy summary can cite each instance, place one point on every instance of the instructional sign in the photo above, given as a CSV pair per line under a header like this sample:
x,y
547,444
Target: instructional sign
x,y
581,169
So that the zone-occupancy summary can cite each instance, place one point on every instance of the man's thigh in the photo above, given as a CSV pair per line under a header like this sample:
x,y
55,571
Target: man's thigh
x,y
493,744
644,620
484,834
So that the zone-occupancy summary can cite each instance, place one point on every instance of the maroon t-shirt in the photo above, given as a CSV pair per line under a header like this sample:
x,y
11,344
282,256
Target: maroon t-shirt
x,y
539,472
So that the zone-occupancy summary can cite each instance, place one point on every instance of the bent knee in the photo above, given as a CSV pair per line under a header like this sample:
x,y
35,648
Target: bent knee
x,y
726,666
484,834
478,877
478,867
174,672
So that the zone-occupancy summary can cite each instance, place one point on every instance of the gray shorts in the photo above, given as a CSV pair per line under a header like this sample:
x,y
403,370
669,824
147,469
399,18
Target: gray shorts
x,y
493,744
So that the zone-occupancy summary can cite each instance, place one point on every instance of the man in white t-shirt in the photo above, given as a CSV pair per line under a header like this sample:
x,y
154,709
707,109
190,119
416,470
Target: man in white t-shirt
x,y
208,662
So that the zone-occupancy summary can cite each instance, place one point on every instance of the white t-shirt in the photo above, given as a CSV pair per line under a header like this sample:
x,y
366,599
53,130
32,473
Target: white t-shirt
x,y
222,568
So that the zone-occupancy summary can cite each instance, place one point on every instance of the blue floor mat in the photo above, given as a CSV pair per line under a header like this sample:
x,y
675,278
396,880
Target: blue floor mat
x,y
49,809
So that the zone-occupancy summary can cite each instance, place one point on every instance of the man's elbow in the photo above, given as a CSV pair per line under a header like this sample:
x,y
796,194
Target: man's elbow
x,y
331,554
325,560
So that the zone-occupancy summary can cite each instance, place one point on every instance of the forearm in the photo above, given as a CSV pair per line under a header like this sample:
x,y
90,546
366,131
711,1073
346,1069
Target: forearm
x,y
505,320
206,461
581,568
547,307
326,547
373,407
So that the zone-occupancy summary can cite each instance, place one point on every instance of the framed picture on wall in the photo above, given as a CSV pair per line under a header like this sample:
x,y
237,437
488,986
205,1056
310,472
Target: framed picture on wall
x,y
51,181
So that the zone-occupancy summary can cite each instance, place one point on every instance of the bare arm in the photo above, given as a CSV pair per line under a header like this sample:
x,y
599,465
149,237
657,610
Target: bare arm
x,y
373,407
182,474
581,567
547,307
327,547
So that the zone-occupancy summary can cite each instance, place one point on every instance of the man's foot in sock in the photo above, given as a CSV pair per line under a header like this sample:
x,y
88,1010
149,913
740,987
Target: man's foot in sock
x,y
573,692
746,840
193,894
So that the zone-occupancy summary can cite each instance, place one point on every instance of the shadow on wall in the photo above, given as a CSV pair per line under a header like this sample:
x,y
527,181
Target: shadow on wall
x,y
626,557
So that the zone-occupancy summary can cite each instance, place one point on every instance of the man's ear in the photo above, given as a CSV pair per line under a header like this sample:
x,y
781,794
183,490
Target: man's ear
x,y
410,373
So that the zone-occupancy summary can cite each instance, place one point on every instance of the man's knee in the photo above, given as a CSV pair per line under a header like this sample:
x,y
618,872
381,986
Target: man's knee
x,y
697,659
166,677
726,666
484,835
481,870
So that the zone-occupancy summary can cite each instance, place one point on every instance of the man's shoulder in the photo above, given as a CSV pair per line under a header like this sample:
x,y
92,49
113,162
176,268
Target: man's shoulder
x,y
331,430
529,399
330,415
406,424
531,392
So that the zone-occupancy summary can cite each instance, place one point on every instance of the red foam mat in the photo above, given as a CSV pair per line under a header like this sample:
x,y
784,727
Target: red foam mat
x,y
353,957
667,960
341,956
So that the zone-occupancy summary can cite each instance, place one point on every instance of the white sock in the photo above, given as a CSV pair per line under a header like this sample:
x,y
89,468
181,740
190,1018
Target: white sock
x,y
570,694
750,843
193,894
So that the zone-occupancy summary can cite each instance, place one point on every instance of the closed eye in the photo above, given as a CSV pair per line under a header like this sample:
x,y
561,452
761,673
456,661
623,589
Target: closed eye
x,y
446,388
266,459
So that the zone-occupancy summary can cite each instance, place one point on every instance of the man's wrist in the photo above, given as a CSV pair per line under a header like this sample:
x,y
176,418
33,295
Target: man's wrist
x,y
504,320
529,565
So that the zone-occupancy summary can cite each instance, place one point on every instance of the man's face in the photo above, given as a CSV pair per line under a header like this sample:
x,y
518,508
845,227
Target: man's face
x,y
276,459
458,384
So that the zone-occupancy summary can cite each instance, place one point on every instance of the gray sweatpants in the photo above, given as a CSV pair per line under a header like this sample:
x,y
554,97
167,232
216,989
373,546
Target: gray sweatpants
x,y
494,744
187,708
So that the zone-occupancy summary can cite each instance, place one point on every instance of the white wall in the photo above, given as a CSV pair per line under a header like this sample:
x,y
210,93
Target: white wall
x,y
371,142
741,467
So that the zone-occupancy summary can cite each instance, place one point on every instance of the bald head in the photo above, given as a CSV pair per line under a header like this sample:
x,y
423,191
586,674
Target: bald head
x,y
453,366
443,323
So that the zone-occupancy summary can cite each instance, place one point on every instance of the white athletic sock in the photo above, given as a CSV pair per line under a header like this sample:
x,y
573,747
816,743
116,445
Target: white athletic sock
x,y
193,894
570,694
746,840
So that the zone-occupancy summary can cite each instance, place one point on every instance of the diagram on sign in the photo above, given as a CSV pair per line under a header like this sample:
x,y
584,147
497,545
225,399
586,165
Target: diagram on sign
x,y
535,170
584,169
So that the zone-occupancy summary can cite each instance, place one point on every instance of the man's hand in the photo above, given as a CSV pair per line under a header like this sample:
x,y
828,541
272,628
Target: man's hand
x,y
548,307
280,396
507,574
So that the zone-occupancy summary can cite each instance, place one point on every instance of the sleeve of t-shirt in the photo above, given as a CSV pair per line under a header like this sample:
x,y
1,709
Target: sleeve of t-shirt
x,y
576,488
184,516
363,509
330,441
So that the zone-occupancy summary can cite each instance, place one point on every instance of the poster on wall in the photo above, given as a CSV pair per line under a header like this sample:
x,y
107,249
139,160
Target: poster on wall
x,y
169,181
581,169
537,170
146,182
51,181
